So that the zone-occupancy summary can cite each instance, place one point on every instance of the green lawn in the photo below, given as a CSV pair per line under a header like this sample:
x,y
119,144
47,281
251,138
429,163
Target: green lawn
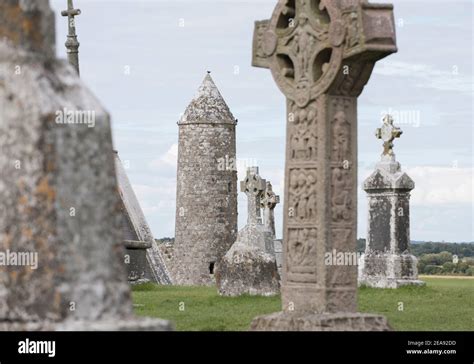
x,y
444,304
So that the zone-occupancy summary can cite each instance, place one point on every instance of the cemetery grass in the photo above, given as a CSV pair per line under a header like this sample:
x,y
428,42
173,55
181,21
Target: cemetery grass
x,y
445,304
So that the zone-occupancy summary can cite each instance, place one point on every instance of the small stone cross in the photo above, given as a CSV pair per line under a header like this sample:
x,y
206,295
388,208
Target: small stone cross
x,y
270,199
253,186
388,133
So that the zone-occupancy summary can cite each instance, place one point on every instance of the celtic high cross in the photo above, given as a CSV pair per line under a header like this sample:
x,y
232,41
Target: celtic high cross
x,y
321,54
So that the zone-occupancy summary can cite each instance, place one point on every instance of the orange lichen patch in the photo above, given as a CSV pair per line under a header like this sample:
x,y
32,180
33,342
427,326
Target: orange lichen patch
x,y
42,241
27,233
13,275
27,27
57,299
21,183
50,166
23,200
10,15
45,190
6,242
20,27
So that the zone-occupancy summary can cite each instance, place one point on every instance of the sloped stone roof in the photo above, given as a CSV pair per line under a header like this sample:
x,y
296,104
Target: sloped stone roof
x,y
135,226
208,106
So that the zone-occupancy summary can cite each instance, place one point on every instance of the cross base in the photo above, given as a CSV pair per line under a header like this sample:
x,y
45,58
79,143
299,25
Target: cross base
x,y
310,321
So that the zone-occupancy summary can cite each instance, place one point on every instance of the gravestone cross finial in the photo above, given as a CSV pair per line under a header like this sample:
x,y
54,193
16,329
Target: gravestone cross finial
x,y
321,54
388,133
253,186
72,44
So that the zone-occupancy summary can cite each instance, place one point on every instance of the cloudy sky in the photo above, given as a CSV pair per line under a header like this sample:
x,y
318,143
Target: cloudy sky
x,y
145,60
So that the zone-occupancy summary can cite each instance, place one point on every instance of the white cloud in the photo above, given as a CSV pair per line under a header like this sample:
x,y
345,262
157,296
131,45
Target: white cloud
x,y
154,198
441,185
169,159
158,203
435,186
426,76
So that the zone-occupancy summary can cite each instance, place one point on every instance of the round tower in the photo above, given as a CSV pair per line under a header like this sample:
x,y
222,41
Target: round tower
x,y
206,202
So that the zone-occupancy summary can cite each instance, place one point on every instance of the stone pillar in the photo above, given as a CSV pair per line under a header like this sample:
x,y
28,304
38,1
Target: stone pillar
x,y
321,55
57,189
268,204
387,262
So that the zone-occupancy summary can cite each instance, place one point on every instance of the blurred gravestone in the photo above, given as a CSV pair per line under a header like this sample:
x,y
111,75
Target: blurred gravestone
x,y
58,189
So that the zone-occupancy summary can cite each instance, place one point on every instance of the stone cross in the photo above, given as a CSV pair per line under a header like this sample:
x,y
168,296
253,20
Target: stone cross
x,y
321,54
388,133
268,204
253,186
72,44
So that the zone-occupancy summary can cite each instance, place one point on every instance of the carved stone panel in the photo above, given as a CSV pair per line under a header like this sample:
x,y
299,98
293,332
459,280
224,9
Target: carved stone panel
x,y
342,272
303,133
301,255
302,196
342,129
342,203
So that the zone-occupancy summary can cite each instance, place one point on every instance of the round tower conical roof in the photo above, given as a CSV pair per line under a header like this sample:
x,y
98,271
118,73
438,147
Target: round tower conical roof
x,y
208,106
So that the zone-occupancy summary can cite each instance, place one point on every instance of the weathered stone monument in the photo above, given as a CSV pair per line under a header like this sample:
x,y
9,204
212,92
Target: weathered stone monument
x,y
387,262
206,203
249,266
58,189
143,258
321,54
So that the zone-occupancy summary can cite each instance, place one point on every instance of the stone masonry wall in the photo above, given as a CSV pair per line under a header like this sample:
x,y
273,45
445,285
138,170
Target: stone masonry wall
x,y
206,205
